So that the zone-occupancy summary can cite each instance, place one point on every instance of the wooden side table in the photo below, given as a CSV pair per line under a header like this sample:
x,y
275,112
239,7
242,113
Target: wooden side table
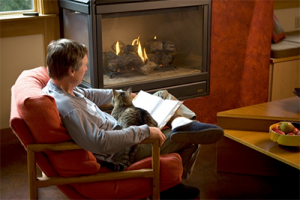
x,y
246,147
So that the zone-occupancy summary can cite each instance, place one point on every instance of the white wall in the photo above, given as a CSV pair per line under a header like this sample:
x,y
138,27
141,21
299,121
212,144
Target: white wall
x,y
17,54
286,18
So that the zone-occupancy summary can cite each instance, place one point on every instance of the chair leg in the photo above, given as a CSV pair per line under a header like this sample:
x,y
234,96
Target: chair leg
x,y
156,169
33,190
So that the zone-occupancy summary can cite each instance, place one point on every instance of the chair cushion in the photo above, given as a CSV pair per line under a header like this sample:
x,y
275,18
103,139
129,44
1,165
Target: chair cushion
x,y
137,188
42,118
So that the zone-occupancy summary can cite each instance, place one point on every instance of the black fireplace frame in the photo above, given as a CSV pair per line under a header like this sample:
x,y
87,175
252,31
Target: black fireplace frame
x,y
187,87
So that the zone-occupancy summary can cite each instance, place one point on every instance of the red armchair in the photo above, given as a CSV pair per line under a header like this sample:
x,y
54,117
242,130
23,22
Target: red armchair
x,y
75,171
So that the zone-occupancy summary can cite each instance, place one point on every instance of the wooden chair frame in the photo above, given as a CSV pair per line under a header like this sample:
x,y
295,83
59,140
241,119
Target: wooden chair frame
x,y
44,181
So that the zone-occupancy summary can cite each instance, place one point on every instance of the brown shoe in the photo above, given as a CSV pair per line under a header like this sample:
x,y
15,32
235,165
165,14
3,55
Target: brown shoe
x,y
180,191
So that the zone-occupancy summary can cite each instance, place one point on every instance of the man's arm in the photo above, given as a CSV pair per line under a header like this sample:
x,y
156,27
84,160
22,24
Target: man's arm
x,y
98,96
102,140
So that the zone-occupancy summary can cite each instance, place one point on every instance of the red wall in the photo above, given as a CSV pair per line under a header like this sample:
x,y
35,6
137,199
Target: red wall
x,y
240,54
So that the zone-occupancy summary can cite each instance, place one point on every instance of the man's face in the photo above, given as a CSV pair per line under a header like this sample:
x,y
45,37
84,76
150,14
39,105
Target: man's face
x,y
79,74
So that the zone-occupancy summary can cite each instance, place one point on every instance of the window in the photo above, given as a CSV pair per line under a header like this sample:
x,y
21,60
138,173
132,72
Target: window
x,y
15,5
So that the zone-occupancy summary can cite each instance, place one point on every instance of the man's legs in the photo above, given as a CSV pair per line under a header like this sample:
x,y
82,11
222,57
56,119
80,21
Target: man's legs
x,y
185,138
188,152
185,130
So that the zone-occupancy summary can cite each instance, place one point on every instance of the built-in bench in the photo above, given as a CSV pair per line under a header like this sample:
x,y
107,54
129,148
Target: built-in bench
x,y
284,67
288,47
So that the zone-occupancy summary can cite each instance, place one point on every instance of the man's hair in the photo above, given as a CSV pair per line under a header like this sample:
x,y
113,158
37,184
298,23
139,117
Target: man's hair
x,y
63,54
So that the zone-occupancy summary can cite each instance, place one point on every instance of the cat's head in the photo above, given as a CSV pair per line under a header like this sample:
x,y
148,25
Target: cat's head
x,y
122,98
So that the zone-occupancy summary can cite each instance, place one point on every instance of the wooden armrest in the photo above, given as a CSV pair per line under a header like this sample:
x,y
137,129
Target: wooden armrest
x,y
53,146
35,183
69,145
148,140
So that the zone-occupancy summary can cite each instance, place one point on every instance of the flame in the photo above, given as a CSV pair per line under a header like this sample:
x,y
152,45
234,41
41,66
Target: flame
x,y
145,55
137,41
142,54
117,48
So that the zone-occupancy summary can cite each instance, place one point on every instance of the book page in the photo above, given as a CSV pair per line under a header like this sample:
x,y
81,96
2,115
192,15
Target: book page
x,y
147,101
165,111
161,110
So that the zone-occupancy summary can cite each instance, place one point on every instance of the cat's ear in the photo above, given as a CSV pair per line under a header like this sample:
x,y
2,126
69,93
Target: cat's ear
x,y
129,90
115,92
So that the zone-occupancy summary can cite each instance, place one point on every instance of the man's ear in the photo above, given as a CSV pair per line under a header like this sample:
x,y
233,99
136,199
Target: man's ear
x,y
71,71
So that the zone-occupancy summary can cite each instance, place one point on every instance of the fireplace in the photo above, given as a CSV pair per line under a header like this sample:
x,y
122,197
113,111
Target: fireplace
x,y
148,45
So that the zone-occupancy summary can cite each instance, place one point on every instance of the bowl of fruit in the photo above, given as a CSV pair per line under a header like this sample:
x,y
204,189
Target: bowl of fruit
x,y
285,133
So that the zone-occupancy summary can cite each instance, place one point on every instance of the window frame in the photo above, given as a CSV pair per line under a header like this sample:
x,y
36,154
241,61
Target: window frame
x,y
20,12
43,7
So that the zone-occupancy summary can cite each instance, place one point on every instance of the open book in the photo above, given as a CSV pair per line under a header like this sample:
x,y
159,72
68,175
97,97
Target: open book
x,y
161,110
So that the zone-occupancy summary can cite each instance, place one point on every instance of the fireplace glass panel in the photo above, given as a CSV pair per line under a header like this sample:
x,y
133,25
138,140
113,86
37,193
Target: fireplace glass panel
x,y
172,39
75,25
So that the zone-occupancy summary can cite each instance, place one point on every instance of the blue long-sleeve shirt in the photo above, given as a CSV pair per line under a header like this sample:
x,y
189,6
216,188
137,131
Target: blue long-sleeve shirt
x,y
91,128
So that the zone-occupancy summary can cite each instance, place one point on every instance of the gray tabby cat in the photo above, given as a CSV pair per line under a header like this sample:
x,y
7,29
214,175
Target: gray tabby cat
x,y
126,114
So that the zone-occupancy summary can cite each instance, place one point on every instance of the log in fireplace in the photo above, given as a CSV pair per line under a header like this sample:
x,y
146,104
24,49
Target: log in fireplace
x,y
146,44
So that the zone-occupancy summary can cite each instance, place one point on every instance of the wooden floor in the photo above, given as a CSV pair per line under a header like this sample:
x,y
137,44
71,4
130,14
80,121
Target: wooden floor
x,y
213,185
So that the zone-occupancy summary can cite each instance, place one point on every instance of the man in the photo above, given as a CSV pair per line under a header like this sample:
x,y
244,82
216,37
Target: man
x,y
100,133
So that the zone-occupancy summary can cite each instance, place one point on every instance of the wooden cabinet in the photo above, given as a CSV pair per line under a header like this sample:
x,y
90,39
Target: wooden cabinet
x,y
284,77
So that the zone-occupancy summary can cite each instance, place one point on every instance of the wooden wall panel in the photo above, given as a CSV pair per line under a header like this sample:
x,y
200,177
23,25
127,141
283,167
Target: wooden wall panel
x,y
284,78
284,4
52,32
21,27
48,25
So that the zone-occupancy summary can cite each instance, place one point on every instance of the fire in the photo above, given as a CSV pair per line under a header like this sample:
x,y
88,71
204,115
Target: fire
x,y
137,41
142,54
117,48
145,55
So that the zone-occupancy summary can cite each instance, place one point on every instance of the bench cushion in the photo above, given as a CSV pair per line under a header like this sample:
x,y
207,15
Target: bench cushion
x,y
288,47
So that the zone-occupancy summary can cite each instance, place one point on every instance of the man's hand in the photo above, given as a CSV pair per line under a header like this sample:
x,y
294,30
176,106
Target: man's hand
x,y
133,95
156,133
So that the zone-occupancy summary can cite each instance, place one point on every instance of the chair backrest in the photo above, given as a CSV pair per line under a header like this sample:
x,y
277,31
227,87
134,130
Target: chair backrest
x,y
35,119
